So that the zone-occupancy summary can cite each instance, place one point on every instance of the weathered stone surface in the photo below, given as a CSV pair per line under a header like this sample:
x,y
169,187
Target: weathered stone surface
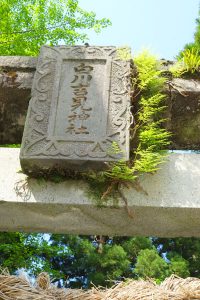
x,y
184,113
18,63
80,105
167,205
16,75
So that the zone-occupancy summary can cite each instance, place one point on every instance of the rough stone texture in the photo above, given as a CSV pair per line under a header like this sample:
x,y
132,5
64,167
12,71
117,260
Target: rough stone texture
x,y
184,113
167,205
16,75
80,105
28,63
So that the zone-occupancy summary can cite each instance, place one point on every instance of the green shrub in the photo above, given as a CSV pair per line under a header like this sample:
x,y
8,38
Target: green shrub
x,y
188,63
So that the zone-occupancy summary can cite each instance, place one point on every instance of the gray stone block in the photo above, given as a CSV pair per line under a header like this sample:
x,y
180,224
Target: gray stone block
x,y
164,204
16,77
80,108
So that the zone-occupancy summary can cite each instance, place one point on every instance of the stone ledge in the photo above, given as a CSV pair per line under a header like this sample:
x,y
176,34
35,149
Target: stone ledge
x,y
16,76
18,62
169,206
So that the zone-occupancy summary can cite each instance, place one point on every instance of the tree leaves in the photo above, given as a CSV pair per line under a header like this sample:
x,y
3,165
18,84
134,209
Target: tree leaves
x,y
26,25
75,261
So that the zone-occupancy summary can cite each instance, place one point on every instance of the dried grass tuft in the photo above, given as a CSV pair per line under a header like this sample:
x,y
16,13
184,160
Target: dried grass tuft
x,y
173,288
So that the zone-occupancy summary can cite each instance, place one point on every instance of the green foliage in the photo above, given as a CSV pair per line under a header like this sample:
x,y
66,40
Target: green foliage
x,y
149,75
124,53
187,248
196,42
150,265
13,251
120,171
179,266
83,260
195,45
191,60
153,139
75,261
98,183
10,146
150,137
25,25
114,262
188,60
20,250
149,161
79,261
188,63
134,245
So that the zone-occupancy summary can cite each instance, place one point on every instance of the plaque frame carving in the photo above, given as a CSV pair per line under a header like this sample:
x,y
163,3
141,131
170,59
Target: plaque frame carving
x,y
39,141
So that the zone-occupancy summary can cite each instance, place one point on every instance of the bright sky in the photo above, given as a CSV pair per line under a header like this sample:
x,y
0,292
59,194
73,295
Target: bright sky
x,y
163,26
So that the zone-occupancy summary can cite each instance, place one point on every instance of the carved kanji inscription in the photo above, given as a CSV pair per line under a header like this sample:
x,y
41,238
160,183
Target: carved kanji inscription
x,y
80,105
79,110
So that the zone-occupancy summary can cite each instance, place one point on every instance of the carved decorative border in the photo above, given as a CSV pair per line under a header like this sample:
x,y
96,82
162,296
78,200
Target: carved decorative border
x,y
37,143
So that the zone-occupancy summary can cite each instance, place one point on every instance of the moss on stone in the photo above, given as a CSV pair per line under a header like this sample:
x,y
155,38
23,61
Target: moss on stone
x,y
10,146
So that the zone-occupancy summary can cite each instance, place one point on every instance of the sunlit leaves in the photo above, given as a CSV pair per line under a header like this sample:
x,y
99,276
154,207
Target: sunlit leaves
x,y
153,139
26,25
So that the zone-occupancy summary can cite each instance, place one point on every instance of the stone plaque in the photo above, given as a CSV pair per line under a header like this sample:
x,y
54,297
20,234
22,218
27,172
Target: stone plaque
x,y
79,111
